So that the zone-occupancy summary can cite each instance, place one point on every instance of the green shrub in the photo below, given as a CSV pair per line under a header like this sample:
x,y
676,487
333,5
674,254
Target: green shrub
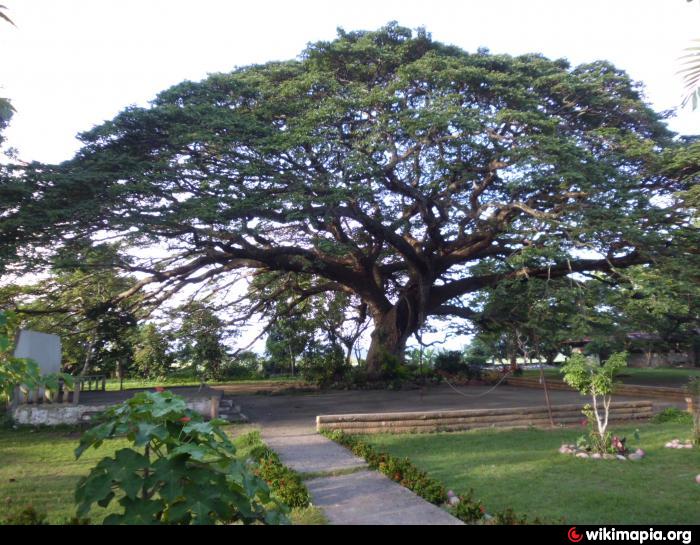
x,y
285,483
403,471
450,361
28,516
468,510
234,371
508,516
179,469
323,365
671,414
406,474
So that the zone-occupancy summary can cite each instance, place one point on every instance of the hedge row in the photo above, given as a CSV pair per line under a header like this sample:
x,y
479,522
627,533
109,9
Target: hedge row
x,y
285,483
404,472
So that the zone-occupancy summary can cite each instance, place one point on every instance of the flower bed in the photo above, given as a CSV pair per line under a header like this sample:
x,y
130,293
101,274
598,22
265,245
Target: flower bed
x,y
284,482
580,452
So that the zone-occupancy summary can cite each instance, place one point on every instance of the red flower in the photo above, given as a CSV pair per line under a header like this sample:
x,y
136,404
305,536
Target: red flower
x,y
184,419
159,389
584,422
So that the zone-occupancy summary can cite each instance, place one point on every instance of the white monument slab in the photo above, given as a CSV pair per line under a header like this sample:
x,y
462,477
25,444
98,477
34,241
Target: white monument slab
x,y
43,348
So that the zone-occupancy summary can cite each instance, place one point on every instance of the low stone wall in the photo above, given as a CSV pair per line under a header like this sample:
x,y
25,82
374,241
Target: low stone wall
x,y
519,417
658,392
57,414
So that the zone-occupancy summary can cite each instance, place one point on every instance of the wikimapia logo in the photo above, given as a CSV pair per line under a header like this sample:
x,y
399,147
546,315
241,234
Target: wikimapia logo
x,y
637,536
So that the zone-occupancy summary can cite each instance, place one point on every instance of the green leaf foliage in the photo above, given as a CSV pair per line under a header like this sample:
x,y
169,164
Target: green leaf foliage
x,y
591,378
179,469
404,172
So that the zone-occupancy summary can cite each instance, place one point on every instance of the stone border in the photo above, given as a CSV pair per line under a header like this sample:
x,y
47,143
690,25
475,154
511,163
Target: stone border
x,y
584,454
663,392
432,421
678,444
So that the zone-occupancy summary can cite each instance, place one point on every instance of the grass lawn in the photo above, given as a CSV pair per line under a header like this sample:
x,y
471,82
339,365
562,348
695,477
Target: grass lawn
x,y
38,468
673,377
112,384
523,470
658,377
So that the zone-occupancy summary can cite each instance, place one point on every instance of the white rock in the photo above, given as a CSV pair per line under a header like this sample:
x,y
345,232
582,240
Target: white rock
x,y
607,456
697,478
635,457
621,457
596,455
581,455
454,500
640,452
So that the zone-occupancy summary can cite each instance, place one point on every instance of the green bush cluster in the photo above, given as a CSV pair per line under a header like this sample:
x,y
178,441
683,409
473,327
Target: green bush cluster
x,y
454,364
468,509
673,415
285,484
27,516
406,474
179,469
324,366
510,518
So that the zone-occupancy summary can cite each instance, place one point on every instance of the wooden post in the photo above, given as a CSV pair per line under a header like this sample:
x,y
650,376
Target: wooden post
x,y
104,383
76,393
214,407
546,395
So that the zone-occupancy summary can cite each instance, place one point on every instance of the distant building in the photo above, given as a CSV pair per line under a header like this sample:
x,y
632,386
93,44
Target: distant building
x,y
648,350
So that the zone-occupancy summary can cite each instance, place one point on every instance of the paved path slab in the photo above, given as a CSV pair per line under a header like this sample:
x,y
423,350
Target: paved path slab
x,y
360,497
368,497
312,453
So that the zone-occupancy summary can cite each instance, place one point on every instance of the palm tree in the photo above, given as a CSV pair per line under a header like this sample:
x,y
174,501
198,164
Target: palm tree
x,y
691,74
6,108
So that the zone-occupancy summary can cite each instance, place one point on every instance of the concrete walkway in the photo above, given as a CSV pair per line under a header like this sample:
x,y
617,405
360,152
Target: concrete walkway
x,y
341,485
338,482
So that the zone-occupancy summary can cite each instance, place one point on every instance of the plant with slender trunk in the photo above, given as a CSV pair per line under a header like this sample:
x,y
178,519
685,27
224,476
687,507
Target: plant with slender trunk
x,y
590,378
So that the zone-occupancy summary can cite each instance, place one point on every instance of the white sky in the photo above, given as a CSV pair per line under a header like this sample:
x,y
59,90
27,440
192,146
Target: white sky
x,y
70,64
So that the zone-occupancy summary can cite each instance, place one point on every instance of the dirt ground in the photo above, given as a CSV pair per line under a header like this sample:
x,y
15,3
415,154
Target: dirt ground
x,y
299,410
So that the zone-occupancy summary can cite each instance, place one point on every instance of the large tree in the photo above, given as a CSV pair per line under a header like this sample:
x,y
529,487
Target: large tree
x,y
384,165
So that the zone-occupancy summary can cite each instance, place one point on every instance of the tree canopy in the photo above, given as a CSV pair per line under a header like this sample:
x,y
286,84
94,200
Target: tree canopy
x,y
385,165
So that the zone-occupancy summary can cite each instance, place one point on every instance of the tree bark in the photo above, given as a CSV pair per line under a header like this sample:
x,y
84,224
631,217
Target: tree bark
x,y
388,344
88,357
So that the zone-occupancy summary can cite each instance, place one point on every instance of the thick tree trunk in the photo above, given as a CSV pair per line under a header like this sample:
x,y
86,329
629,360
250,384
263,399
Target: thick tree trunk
x,y
391,331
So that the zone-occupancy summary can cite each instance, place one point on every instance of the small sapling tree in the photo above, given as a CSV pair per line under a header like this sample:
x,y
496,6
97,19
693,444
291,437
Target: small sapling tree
x,y
595,380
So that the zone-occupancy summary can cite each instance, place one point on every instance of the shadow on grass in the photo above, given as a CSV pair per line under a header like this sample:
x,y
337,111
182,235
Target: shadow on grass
x,y
523,470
